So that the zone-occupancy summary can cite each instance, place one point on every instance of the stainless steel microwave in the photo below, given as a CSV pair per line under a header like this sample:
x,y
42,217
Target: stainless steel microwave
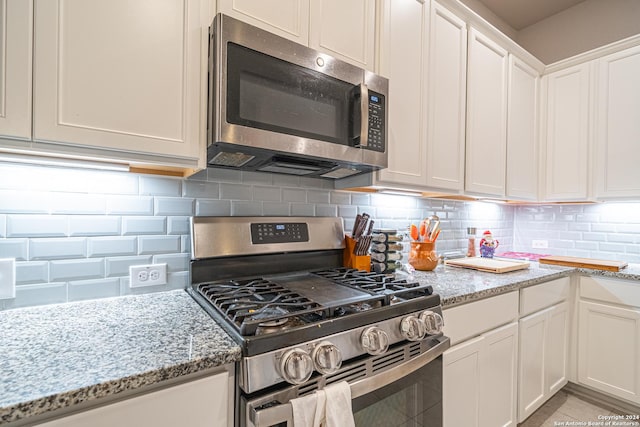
x,y
278,106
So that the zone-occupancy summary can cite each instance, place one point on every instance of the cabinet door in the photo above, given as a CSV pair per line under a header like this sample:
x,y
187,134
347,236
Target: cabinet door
x,y
286,18
609,348
556,348
200,403
461,384
344,29
447,90
499,377
120,75
486,147
567,136
522,134
617,125
403,61
532,363
16,29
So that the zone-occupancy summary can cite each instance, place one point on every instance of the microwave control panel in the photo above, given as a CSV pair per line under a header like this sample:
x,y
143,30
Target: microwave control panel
x,y
376,122
287,232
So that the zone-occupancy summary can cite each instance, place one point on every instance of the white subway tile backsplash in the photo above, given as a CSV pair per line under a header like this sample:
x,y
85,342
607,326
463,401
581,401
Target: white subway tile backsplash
x,y
178,225
76,269
150,245
3,226
268,194
239,208
153,186
598,237
340,198
213,207
347,211
326,210
318,196
302,209
114,183
37,225
112,246
280,180
185,244
223,175
173,206
40,294
130,205
579,226
589,246
92,289
294,195
276,209
137,225
81,225
32,272
24,202
203,189
76,203
249,177
358,199
612,247
236,192
175,262
623,238
57,248
14,248
119,266
603,227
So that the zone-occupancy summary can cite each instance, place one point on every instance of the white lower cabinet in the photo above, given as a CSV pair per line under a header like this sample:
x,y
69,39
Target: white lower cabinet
x,y
543,357
201,403
609,337
479,380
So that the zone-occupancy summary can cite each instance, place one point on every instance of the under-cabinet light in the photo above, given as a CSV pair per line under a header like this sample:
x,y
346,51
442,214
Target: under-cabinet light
x,y
402,192
26,159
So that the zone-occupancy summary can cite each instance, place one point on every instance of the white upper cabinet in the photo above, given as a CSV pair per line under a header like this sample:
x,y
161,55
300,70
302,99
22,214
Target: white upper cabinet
x,y
344,29
447,91
16,29
286,18
486,116
617,126
121,75
567,134
522,131
403,60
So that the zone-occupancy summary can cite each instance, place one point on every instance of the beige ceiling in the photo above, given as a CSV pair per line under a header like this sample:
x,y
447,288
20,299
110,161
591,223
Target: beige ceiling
x,y
520,14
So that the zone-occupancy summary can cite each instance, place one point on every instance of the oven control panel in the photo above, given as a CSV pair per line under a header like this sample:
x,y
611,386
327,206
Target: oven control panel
x,y
279,232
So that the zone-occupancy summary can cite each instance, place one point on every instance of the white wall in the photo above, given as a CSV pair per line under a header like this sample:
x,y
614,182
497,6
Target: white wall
x,y
586,26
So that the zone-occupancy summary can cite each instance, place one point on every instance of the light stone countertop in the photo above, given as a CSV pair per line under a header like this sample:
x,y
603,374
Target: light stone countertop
x,y
56,356
60,355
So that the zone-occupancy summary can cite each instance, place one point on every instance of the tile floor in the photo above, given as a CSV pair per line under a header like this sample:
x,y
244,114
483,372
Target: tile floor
x,y
565,409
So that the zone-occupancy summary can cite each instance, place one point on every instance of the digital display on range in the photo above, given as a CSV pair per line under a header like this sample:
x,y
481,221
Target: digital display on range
x,y
290,232
375,99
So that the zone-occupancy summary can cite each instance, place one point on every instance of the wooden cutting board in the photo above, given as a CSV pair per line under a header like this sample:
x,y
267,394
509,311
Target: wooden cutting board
x,y
592,263
488,264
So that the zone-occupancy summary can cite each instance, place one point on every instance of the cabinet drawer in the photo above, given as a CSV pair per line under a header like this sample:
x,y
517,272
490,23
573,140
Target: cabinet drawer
x,y
544,295
469,320
615,291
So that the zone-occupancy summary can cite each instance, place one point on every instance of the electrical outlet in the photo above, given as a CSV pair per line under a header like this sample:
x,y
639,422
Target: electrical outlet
x,y
147,275
539,244
7,278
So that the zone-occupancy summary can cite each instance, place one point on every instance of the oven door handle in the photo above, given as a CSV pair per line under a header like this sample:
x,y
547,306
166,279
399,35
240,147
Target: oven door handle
x,y
284,412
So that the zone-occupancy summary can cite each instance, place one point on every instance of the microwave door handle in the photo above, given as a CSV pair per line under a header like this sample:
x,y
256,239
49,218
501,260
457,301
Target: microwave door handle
x,y
364,115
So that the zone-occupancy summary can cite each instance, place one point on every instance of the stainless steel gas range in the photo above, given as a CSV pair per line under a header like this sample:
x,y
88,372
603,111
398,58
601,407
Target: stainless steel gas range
x,y
277,285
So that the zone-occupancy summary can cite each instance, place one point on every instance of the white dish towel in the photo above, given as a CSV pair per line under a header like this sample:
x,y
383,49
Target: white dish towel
x,y
330,407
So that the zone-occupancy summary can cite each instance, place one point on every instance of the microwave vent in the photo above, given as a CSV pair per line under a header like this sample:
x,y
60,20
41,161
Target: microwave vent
x,y
340,173
236,160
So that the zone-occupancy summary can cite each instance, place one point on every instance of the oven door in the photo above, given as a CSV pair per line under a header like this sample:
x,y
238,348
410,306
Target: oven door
x,y
407,394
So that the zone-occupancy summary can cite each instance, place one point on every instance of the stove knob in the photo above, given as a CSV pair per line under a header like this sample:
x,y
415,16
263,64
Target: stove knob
x,y
412,328
374,340
432,321
296,366
327,358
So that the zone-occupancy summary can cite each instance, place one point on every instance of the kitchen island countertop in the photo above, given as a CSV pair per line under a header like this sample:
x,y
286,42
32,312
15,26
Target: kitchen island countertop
x,y
55,356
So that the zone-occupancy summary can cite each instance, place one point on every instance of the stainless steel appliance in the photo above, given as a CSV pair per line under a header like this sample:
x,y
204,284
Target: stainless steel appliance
x,y
278,106
277,286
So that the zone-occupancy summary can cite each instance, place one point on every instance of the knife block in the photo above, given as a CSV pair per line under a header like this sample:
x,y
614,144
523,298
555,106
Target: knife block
x,y
350,260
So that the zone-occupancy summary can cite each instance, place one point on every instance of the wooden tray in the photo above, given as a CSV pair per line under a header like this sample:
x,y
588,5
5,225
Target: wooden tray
x,y
592,263
488,264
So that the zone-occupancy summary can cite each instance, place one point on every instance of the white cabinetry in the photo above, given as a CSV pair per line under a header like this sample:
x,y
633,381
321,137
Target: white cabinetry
x,y
617,128
486,116
609,337
522,131
544,344
447,91
345,30
200,403
16,29
567,134
480,374
139,89
403,59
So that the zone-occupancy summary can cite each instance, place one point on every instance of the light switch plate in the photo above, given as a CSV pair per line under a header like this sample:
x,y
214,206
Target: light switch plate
x,y
7,278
